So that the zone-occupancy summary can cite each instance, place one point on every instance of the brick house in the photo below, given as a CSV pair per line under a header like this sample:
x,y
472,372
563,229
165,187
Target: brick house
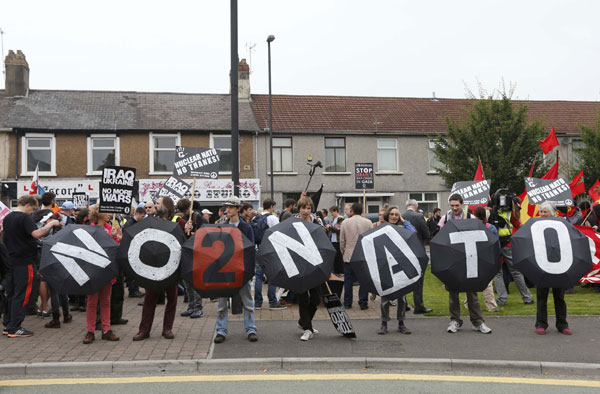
x,y
73,134
395,134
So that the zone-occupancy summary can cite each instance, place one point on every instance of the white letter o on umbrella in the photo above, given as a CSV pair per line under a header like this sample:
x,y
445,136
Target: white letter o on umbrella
x,y
154,273
564,243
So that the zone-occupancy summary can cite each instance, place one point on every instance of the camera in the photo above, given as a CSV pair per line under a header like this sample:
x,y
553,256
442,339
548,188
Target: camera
x,y
503,200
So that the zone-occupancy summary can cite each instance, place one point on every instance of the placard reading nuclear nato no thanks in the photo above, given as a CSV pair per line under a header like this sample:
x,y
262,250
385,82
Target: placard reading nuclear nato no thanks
x,y
116,189
473,192
196,162
556,191
174,187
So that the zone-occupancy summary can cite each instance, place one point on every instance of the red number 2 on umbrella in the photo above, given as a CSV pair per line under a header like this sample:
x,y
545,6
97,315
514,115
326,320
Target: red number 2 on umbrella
x,y
218,258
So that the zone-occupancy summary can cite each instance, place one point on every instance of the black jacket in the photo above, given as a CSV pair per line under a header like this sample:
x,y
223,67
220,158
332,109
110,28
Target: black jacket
x,y
418,222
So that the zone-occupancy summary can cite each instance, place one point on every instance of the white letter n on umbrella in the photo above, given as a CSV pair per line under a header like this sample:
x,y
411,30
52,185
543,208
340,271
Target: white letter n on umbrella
x,y
69,252
308,250
470,239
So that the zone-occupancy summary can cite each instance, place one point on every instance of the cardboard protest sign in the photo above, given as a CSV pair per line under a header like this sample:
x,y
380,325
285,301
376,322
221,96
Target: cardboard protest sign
x,y
81,200
196,162
339,316
363,176
557,191
473,192
174,187
116,189
4,210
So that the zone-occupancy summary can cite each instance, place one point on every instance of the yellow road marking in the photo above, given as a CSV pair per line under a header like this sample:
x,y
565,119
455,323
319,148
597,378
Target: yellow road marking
x,y
299,377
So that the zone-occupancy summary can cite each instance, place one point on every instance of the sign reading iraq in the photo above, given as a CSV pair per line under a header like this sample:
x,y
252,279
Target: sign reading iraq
x,y
174,187
196,162
557,191
473,192
116,189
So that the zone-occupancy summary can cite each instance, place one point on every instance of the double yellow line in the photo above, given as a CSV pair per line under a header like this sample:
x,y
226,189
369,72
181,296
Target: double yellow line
x,y
298,377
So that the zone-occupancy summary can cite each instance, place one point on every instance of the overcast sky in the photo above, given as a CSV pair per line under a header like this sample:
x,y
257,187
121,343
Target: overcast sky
x,y
550,49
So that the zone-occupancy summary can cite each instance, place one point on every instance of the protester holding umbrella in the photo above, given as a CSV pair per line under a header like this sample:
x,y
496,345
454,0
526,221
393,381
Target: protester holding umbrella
x,y
165,210
308,301
232,209
548,210
101,220
392,216
457,212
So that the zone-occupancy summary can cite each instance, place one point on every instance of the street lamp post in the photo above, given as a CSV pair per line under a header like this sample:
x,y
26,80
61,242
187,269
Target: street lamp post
x,y
269,40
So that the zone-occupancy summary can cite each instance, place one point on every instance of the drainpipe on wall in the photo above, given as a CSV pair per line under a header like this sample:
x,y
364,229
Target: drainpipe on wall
x,y
256,155
17,154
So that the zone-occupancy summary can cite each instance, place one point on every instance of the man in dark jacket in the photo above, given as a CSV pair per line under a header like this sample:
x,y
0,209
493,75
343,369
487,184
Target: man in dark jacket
x,y
418,221
232,212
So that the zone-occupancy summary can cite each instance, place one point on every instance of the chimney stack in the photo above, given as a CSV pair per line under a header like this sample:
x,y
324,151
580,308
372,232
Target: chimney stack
x,y
17,74
243,81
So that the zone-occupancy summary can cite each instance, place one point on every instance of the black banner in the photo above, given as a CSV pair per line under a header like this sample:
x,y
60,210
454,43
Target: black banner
x,y
473,192
196,162
557,191
364,176
116,189
175,188
339,316
81,200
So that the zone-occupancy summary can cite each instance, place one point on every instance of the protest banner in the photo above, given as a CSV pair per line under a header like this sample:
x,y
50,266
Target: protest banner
x,y
473,192
175,188
116,189
556,191
81,200
4,210
196,162
363,176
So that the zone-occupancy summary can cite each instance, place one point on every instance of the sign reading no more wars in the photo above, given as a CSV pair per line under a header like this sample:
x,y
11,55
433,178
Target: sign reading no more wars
x,y
196,162
116,189
473,192
556,191
364,176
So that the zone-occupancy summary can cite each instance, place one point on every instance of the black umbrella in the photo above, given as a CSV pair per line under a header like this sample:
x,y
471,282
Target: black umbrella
x,y
296,255
465,255
150,252
80,259
218,260
389,260
550,252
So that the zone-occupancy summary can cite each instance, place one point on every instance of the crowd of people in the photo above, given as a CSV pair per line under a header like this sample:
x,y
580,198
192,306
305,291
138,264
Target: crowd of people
x,y
37,218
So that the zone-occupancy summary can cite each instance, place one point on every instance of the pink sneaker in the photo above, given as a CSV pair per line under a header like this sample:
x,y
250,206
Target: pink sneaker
x,y
567,331
540,331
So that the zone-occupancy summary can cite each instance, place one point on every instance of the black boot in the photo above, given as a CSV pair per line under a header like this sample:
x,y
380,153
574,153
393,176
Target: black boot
x,y
55,322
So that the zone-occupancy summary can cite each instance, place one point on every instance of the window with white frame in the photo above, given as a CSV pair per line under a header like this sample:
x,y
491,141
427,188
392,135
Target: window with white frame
x,y
427,201
335,154
222,142
577,159
162,152
387,155
282,154
434,160
38,150
103,150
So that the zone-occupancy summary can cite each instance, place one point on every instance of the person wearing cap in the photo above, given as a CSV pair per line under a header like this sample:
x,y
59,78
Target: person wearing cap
x,y
206,214
232,208
67,212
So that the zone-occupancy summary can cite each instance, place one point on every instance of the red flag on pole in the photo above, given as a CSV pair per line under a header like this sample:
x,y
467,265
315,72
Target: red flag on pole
x,y
577,186
594,275
553,172
34,181
594,191
479,176
549,143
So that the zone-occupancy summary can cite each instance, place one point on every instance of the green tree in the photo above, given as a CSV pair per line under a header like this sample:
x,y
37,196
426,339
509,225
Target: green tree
x,y
499,133
589,155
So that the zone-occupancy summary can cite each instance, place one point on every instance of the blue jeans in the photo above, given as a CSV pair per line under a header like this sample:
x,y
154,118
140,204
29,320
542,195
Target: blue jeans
x,y
258,298
349,278
222,312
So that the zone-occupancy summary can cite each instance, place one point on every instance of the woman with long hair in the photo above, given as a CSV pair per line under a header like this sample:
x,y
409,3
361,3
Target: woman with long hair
x,y
392,215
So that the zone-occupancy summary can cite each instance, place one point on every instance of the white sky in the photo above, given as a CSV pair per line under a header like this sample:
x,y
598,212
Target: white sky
x,y
551,49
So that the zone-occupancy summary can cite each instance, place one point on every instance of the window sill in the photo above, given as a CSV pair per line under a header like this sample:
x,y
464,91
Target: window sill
x,y
389,173
93,174
161,173
40,174
432,172
282,173
336,173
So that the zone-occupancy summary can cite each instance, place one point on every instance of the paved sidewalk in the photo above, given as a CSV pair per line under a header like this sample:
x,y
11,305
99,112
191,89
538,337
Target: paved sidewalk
x,y
513,339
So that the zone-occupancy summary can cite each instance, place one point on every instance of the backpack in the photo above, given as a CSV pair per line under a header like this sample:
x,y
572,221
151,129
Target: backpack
x,y
259,226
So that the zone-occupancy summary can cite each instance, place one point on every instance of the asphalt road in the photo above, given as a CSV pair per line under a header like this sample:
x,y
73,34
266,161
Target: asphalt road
x,y
311,383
